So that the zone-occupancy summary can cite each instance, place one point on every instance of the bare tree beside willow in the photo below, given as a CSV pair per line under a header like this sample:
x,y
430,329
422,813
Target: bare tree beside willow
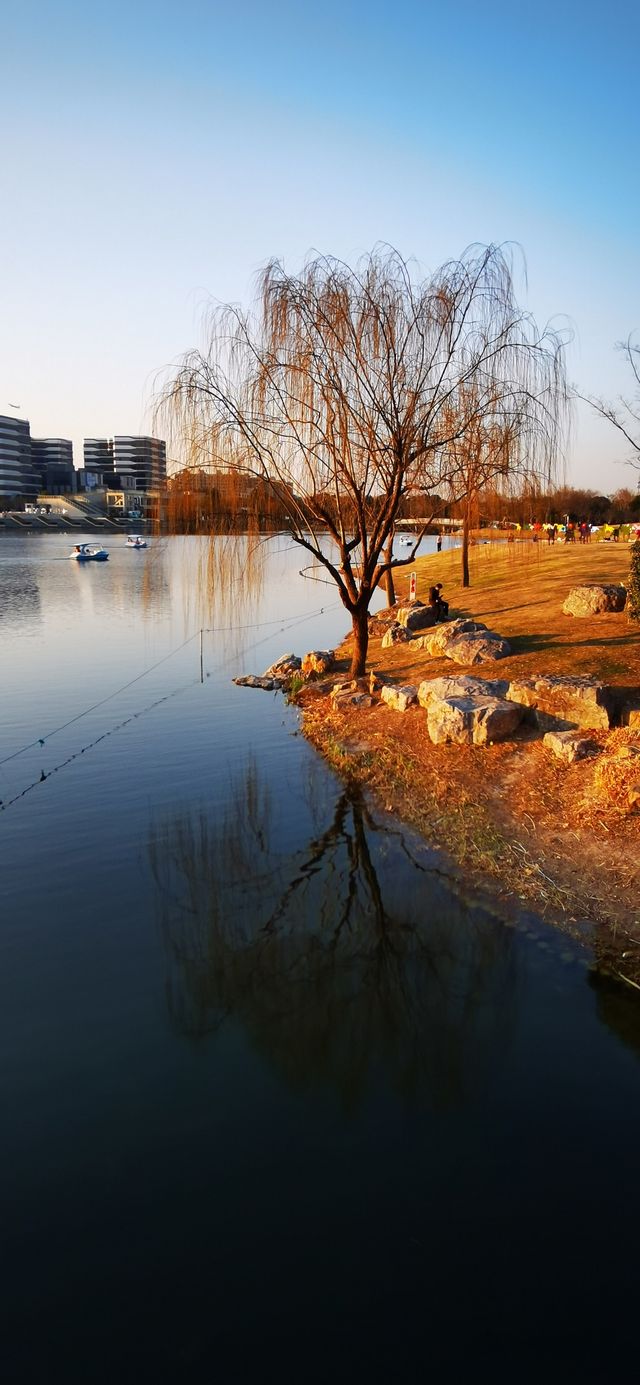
x,y
513,443
624,412
345,390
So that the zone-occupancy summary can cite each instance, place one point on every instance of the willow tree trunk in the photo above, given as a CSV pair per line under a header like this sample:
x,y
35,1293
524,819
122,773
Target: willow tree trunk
x,y
465,547
360,624
388,581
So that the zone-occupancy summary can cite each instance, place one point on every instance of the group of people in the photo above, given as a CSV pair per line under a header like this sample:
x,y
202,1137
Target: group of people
x,y
568,532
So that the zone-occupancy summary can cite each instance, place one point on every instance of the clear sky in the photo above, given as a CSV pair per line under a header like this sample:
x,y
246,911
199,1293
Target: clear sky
x,y
157,153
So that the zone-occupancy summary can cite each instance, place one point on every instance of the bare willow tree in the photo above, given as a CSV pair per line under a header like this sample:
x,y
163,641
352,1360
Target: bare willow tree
x,y
344,391
624,413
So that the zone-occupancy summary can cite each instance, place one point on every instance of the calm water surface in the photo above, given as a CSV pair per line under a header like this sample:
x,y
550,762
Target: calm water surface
x,y
277,1101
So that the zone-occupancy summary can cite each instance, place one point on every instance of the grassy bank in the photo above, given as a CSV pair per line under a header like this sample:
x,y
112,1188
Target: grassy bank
x,y
510,813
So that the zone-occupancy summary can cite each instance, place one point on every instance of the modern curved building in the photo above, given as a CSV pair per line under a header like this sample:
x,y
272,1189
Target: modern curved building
x,y
18,480
52,460
133,462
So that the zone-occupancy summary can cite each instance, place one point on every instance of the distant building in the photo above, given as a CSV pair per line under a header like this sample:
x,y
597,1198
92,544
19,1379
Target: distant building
x,y
98,454
52,460
127,502
18,480
126,463
143,458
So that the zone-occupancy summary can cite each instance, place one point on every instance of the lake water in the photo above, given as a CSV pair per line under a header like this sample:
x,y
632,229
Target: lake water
x,y
278,1101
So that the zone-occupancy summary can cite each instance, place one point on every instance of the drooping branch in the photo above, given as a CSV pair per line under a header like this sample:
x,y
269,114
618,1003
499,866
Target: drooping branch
x,y
348,391
624,414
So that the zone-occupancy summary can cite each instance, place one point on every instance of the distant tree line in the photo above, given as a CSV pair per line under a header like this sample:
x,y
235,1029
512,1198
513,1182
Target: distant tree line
x,y
551,506
230,501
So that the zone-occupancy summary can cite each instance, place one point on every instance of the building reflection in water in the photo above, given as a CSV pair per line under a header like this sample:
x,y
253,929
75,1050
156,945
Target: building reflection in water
x,y
141,583
349,959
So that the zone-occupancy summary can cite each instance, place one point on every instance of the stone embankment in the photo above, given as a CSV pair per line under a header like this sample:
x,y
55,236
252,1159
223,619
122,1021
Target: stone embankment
x,y
466,709
279,677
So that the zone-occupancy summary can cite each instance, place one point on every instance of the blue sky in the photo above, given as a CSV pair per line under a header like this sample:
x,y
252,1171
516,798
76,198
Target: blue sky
x,y
153,154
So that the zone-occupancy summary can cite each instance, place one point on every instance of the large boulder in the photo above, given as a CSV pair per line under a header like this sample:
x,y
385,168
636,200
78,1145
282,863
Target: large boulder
x,y
285,667
396,634
471,720
350,694
462,685
570,745
318,662
594,597
477,648
251,680
399,698
380,621
437,641
559,703
417,616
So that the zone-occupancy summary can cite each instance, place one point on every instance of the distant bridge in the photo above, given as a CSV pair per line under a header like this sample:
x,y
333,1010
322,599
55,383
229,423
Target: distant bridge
x,y
432,524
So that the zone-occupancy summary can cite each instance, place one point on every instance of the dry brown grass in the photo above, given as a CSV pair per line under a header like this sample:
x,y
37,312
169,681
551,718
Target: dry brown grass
x,y
617,774
543,831
518,589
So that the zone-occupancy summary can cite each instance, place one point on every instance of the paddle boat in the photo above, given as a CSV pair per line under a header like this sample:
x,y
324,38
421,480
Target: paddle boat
x,y
84,553
135,541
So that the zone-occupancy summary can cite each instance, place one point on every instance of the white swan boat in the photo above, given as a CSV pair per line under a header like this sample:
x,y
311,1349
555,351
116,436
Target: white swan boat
x,y
135,541
84,553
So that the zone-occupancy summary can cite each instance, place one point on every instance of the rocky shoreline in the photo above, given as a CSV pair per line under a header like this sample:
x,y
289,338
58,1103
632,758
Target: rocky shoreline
x,y
530,784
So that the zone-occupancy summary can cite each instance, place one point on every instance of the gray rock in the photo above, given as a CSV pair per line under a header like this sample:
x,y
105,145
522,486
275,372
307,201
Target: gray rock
x,y
399,698
437,642
477,648
417,616
559,703
570,745
471,720
350,694
251,680
284,667
396,634
593,598
462,685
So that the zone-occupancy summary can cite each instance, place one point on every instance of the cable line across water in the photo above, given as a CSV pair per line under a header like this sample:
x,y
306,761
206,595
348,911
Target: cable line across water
x,y
208,630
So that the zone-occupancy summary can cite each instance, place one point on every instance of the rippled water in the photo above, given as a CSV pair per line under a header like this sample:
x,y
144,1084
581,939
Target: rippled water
x,y
278,1101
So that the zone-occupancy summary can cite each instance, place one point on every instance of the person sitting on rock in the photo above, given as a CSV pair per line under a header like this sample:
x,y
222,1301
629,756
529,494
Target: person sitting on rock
x,y
439,606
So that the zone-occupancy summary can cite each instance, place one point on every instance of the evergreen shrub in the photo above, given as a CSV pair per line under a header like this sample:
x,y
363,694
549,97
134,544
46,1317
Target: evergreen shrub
x,y
633,585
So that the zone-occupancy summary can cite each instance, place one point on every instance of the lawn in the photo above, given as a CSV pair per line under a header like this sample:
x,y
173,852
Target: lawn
x,y
518,589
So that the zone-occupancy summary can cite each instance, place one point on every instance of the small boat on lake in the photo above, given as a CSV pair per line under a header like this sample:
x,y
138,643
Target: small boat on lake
x,y
135,541
84,553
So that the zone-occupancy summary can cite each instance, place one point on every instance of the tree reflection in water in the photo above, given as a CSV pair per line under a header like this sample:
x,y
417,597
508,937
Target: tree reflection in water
x,y
348,959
